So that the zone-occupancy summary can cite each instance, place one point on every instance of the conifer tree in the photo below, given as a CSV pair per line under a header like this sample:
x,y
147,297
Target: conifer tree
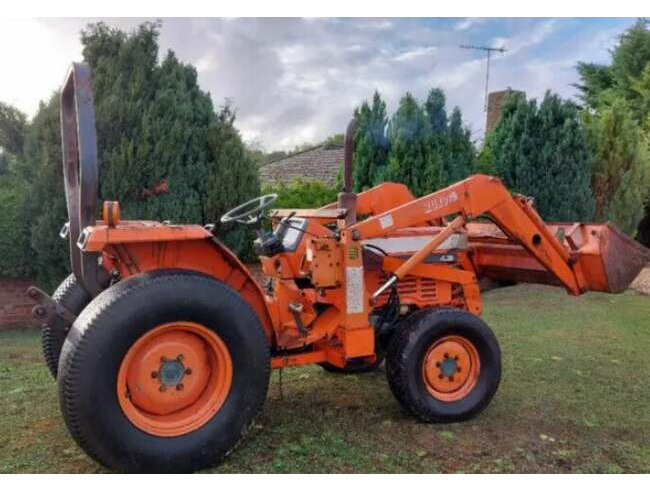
x,y
621,175
451,145
617,113
371,143
410,158
461,153
163,151
436,113
542,152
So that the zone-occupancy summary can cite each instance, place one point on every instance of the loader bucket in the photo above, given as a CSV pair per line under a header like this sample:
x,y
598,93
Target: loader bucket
x,y
610,259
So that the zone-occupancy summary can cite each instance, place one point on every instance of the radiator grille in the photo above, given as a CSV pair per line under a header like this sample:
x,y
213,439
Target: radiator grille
x,y
412,290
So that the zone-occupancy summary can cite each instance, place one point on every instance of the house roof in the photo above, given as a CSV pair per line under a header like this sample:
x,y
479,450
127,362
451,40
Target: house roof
x,y
321,163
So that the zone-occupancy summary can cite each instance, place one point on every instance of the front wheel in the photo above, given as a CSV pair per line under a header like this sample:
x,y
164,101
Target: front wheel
x,y
163,372
444,365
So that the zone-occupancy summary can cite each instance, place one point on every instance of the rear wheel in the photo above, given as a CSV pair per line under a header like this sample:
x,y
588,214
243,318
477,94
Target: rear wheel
x,y
163,372
73,298
444,365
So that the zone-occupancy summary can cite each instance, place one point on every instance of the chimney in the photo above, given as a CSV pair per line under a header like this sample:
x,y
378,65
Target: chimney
x,y
495,102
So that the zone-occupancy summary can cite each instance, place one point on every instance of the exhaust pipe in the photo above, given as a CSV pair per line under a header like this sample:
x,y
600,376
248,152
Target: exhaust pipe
x,y
348,199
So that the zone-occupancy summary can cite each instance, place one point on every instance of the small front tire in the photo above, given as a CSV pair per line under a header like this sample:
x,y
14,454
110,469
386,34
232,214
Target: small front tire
x,y
444,365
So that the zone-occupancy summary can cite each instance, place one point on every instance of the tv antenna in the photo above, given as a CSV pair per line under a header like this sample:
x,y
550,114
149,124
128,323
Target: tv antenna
x,y
488,52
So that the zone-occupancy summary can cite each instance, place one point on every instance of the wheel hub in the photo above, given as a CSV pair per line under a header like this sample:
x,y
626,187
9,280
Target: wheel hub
x,y
450,368
171,373
174,378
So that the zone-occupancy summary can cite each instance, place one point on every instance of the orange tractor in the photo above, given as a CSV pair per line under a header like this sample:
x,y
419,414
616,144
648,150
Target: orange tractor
x,y
162,341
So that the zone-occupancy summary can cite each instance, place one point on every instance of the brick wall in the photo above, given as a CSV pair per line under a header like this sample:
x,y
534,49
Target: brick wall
x,y
15,306
495,102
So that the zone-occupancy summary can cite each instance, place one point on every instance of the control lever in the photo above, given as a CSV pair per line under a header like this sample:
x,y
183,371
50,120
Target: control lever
x,y
296,310
284,224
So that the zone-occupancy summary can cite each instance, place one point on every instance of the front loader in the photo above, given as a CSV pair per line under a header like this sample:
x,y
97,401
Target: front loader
x,y
162,341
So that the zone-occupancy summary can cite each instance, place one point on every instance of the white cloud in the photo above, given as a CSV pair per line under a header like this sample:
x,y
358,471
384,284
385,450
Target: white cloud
x,y
35,57
416,54
469,22
298,80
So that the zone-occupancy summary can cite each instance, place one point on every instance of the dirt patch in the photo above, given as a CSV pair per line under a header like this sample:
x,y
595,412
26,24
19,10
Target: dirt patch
x,y
642,282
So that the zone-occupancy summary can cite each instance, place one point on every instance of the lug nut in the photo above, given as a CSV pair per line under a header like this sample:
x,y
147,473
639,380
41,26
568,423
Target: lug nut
x,y
438,364
179,358
458,369
162,388
455,358
180,386
446,355
154,374
188,371
163,359
451,378
440,376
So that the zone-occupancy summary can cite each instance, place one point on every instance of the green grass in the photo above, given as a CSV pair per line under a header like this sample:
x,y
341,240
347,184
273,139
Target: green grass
x,y
575,397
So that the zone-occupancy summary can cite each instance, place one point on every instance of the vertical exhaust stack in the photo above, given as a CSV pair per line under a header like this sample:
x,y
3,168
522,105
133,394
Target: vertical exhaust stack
x,y
348,199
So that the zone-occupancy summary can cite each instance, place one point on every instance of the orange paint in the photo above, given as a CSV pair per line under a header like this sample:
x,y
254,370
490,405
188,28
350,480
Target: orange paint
x,y
451,368
320,293
174,379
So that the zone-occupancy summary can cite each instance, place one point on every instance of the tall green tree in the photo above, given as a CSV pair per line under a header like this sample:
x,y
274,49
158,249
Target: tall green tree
x,y
231,179
371,143
410,158
163,150
152,123
436,113
46,208
460,157
617,113
435,108
12,135
451,143
542,151
602,84
621,174
14,228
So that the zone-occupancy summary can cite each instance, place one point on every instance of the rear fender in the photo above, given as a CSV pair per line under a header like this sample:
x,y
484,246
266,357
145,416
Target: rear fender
x,y
133,247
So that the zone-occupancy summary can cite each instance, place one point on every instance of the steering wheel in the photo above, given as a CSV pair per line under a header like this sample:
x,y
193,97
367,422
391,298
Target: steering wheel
x,y
250,212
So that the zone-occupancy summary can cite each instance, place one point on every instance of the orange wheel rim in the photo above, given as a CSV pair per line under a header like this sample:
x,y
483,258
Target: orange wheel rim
x,y
174,379
451,368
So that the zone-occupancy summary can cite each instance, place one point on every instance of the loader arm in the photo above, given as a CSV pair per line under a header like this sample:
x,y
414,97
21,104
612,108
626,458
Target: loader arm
x,y
484,195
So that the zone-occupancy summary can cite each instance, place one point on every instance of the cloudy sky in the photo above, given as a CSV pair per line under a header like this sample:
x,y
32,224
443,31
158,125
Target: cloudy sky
x,y
297,80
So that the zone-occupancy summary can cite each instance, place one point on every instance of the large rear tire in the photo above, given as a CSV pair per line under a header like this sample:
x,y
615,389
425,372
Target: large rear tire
x,y
72,297
443,365
163,372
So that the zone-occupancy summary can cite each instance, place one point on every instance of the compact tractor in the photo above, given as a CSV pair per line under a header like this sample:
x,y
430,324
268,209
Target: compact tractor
x,y
162,341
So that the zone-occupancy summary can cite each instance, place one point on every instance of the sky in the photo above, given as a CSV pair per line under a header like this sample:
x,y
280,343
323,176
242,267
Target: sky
x,y
297,81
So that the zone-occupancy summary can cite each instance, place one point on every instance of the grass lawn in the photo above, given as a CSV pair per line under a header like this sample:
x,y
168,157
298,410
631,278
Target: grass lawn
x,y
575,397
